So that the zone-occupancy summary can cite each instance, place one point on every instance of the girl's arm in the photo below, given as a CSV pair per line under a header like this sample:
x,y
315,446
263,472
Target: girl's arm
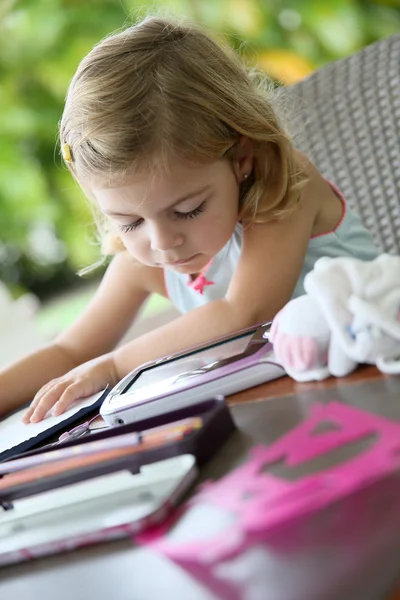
x,y
96,332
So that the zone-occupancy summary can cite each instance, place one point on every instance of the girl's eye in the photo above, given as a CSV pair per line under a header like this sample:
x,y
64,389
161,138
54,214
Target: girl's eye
x,y
131,226
193,213
179,215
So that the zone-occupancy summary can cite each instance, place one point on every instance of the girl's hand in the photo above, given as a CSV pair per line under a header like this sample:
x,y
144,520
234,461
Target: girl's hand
x,y
85,380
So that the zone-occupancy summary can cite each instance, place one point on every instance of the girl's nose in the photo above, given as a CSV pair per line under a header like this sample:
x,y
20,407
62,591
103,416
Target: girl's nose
x,y
164,238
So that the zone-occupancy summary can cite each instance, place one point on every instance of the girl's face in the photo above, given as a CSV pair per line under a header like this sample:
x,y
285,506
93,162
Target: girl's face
x,y
177,221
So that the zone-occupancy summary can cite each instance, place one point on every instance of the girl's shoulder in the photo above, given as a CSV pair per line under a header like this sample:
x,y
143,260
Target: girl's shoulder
x,y
322,199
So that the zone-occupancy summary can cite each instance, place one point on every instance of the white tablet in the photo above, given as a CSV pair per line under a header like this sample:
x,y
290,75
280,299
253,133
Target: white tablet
x,y
224,366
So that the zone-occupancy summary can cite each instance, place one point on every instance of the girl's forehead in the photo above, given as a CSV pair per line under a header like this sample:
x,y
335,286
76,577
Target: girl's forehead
x,y
156,188
181,176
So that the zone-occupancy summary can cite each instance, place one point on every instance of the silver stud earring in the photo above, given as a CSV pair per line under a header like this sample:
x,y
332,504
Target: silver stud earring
x,y
245,176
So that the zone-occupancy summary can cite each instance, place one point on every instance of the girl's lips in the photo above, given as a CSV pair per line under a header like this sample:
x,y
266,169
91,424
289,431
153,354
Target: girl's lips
x,y
182,261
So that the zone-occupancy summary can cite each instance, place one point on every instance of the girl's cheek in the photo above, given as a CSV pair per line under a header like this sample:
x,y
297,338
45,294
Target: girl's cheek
x,y
139,247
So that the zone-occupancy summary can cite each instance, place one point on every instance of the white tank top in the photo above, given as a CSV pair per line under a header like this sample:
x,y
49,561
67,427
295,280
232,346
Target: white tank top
x,y
349,238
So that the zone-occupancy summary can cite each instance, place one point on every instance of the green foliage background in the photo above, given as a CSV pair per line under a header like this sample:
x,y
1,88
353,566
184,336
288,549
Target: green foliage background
x,y
46,231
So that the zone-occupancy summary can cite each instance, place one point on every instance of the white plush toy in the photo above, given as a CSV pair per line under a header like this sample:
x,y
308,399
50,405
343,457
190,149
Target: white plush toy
x,y
18,334
349,315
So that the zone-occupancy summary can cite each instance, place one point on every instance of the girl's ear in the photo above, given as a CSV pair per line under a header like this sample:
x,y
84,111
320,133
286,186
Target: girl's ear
x,y
243,158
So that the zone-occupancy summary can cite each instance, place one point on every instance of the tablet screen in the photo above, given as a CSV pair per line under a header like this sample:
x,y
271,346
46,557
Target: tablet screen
x,y
176,372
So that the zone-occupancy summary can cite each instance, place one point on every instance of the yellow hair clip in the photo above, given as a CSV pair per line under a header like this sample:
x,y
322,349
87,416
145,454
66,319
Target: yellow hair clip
x,y
66,152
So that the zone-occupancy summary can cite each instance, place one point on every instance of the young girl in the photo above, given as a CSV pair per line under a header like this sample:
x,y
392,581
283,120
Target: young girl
x,y
202,198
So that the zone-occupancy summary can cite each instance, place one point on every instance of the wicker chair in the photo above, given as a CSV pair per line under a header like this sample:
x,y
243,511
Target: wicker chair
x,y
347,120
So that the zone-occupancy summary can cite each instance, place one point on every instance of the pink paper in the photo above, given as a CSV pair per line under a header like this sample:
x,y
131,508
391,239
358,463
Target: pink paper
x,y
263,503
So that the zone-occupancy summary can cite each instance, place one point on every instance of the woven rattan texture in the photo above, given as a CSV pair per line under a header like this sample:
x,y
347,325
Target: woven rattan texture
x,y
347,120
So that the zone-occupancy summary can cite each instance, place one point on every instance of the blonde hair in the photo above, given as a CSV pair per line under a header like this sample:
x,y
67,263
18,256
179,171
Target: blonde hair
x,y
163,90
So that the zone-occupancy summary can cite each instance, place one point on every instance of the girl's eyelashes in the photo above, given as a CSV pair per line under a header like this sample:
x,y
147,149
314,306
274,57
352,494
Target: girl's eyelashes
x,y
131,226
178,215
192,213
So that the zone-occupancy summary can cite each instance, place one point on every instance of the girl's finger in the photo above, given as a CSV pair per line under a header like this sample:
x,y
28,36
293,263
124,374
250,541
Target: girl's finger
x,y
43,390
47,401
26,417
31,409
75,391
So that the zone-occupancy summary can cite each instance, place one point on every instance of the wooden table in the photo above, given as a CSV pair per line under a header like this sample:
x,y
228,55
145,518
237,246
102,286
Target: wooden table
x,y
120,571
285,385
